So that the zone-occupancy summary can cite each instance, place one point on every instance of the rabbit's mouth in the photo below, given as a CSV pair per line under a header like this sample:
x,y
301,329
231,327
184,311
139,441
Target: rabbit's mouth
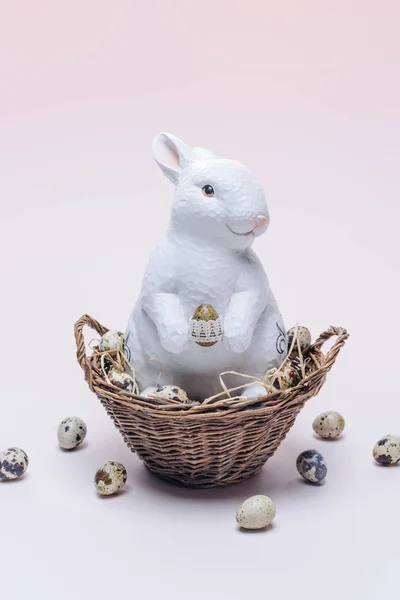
x,y
251,232
260,225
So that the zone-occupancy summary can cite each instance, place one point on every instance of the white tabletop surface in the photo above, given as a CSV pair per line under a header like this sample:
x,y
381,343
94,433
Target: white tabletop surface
x,y
307,95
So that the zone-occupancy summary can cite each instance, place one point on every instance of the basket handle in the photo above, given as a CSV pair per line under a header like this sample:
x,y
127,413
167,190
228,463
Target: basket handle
x,y
332,353
80,342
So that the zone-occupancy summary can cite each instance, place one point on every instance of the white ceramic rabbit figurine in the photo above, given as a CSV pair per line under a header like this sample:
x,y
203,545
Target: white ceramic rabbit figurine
x,y
206,257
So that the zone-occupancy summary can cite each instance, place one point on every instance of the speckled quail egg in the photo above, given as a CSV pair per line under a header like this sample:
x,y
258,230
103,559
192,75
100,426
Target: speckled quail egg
x,y
312,466
13,463
107,365
328,424
256,512
205,326
121,380
112,340
71,432
172,392
110,478
387,450
303,338
284,378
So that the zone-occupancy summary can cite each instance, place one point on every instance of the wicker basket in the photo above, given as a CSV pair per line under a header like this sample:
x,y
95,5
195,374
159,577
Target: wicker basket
x,y
206,445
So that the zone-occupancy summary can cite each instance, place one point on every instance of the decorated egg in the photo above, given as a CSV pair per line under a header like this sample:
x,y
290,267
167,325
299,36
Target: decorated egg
x,y
71,432
172,392
121,380
205,326
312,466
112,340
256,512
13,463
110,478
328,424
303,338
286,377
387,450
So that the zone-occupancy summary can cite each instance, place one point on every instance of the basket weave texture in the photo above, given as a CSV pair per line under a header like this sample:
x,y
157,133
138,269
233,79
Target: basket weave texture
x,y
206,445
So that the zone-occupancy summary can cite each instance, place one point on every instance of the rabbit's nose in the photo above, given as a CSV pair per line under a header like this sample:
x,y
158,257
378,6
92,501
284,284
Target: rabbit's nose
x,y
260,221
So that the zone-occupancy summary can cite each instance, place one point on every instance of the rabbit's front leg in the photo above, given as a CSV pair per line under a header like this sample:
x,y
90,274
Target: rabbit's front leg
x,y
167,314
243,314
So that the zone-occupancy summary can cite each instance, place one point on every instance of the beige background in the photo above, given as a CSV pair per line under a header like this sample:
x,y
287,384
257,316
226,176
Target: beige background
x,y
306,94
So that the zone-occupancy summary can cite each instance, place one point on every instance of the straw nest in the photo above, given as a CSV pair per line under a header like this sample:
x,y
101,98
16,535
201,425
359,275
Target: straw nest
x,y
216,443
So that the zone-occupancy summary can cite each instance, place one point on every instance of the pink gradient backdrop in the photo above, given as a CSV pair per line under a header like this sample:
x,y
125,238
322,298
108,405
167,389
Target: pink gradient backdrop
x,y
307,94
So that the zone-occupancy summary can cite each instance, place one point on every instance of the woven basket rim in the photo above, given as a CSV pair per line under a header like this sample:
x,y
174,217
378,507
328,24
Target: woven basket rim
x,y
276,401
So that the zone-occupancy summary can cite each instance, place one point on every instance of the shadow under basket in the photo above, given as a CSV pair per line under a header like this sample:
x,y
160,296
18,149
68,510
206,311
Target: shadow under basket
x,y
206,445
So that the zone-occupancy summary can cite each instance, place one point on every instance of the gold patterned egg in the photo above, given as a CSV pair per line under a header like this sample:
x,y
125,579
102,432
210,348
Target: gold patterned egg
x,y
205,326
205,312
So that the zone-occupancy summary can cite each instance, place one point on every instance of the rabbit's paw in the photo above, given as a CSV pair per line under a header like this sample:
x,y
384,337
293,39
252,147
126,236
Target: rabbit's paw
x,y
175,342
237,343
253,391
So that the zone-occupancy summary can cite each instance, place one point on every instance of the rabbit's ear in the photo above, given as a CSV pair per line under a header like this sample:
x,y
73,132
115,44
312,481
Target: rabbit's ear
x,y
172,155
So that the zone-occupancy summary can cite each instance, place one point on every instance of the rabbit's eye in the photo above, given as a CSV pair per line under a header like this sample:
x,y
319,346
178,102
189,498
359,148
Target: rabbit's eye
x,y
208,190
